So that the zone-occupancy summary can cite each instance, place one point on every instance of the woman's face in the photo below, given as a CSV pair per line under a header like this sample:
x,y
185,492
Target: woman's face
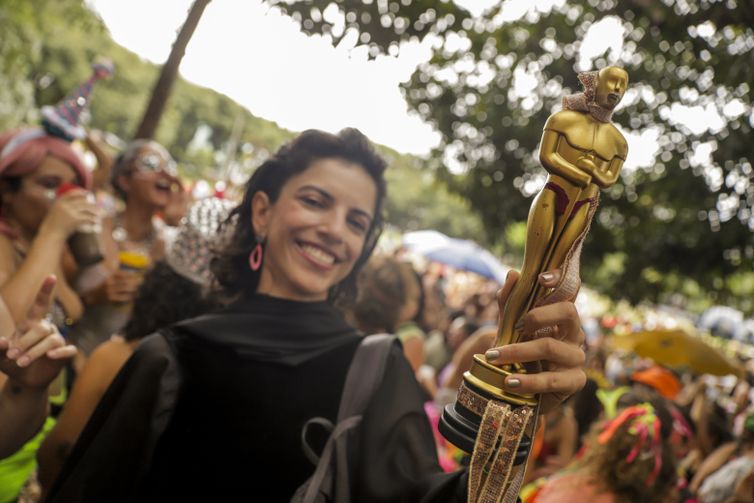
x,y
37,192
316,230
151,178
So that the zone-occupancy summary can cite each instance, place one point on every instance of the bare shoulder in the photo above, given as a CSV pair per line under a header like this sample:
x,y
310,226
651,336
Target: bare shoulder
x,y
109,354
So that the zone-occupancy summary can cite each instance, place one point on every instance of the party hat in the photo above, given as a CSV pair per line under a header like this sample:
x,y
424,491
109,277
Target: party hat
x,y
62,120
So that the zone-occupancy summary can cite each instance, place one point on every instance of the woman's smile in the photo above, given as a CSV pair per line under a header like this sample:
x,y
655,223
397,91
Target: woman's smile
x,y
318,256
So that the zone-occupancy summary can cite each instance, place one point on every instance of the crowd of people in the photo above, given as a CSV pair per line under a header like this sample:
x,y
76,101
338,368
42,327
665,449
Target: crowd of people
x,y
178,355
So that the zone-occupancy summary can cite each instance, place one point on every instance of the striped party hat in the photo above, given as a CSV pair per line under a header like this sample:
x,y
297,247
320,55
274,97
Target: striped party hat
x,y
62,120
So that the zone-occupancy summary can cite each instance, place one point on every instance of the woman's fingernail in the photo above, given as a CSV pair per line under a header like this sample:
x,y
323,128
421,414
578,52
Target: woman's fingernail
x,y
547,276
23,361
513,382
492,354
13,353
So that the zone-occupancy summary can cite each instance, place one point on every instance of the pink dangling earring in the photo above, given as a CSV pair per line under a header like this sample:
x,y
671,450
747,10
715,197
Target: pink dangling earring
x,y
255,257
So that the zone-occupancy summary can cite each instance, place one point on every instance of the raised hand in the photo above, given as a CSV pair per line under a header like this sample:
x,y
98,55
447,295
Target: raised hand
x,y
35,353
560,351
121,286
70,211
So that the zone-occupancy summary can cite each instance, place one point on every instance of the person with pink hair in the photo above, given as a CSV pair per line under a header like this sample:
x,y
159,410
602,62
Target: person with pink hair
x,y
35,222
35,225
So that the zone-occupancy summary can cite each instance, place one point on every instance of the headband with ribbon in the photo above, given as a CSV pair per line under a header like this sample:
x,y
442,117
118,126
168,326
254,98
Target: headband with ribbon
x,y
645,426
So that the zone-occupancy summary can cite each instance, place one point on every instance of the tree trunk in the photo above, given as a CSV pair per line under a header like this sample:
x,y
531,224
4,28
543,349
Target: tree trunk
x,y
162,88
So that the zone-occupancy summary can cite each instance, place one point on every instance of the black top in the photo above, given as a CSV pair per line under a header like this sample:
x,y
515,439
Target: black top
x,y
220,409
237,424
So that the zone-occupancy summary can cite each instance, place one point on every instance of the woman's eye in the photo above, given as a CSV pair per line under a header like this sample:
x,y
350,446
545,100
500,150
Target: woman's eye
x,y
310,201
358,225
48,183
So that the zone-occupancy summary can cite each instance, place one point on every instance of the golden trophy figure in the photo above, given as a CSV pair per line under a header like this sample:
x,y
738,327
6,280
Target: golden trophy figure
x,y
582,152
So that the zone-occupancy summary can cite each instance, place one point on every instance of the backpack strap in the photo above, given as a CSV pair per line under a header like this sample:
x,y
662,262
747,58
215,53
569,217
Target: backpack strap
x,y
364,376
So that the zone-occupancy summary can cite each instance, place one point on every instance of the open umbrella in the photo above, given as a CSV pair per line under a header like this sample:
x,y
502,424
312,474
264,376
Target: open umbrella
x,y
678,349
459,253
721,321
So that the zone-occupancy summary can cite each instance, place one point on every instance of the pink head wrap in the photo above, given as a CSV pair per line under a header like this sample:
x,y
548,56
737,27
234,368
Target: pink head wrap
x,y
22,151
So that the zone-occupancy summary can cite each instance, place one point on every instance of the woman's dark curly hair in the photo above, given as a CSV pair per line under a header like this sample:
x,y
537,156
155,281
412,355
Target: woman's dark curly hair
x,y
231,264
164,297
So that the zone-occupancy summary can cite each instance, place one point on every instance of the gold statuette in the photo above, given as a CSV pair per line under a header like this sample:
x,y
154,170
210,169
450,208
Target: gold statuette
x,y
582,152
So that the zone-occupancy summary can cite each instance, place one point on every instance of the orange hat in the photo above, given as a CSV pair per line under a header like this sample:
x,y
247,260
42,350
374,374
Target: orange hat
x,y
659,378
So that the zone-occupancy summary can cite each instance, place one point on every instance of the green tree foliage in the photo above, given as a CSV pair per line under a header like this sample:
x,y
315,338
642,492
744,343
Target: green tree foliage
x,y
417,200
20,50
48,48
681,224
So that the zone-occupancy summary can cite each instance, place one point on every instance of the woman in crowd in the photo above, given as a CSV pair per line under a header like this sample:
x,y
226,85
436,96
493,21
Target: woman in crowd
x,y
35,222
381,295
214,407
173,290
629,459
35,225
555,444
715,487
434,322
388,301
142,176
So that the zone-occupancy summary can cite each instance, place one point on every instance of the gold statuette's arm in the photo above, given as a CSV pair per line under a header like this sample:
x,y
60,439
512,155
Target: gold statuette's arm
x,y
556,163
606,178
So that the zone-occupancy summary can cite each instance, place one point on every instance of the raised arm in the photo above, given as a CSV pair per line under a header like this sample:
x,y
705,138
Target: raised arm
x,y
101,175
31,356
20,286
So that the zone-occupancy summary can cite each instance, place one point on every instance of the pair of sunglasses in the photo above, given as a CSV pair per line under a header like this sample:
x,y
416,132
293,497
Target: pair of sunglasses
x,y
154,163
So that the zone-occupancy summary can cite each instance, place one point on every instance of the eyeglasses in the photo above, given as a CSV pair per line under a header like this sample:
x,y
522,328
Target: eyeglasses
x,y
154,163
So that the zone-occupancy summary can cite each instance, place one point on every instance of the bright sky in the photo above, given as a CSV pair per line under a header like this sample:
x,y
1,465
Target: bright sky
x,y
261,59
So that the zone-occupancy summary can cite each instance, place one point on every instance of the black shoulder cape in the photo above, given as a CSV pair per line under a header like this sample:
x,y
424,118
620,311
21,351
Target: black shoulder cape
x,y
212,410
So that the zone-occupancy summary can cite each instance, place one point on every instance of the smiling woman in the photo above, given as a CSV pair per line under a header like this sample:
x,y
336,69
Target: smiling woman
x,y
216,406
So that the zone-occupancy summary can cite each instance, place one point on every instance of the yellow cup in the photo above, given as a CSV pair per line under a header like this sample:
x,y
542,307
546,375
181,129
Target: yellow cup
x,y
134,261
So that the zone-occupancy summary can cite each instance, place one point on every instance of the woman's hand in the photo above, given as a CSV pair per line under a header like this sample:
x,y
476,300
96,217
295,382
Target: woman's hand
x,y
121,286
36,353
31,356
69,212
560,352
